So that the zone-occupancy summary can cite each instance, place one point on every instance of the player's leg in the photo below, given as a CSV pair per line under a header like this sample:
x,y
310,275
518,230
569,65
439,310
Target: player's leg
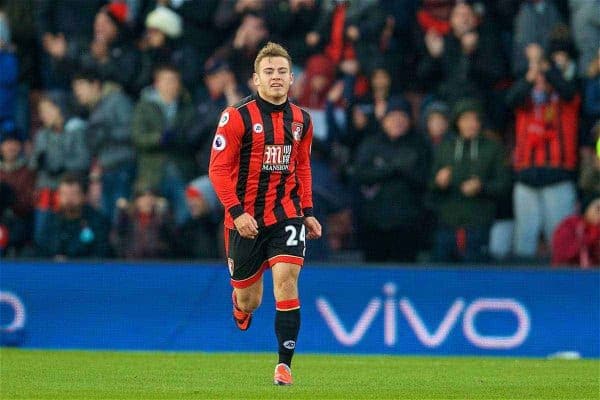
x,y
285,248
246,261
245,301
248,299
287,317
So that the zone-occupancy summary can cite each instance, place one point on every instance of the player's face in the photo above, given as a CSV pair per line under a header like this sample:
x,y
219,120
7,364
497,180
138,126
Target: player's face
x,y
273,79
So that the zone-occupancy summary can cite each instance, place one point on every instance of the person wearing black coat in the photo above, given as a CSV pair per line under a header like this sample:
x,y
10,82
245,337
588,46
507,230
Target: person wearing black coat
x,y
465,63
76,230
392,167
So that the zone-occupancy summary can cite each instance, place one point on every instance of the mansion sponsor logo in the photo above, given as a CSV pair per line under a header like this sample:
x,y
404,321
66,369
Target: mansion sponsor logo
x,y
277,157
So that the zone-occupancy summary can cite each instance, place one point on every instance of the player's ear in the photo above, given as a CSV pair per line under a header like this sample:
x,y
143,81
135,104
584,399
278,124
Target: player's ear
x,y
255,79
291,78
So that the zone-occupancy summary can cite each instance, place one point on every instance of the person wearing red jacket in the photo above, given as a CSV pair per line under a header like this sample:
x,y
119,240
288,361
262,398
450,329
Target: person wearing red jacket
x,y
260,170
576,241
546,108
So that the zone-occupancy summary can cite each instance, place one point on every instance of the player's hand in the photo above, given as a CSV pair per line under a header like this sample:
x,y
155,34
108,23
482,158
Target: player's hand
x,y
313,228
246,225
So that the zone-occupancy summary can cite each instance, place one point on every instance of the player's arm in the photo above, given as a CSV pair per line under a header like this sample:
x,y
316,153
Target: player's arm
x,y
223,159
304,175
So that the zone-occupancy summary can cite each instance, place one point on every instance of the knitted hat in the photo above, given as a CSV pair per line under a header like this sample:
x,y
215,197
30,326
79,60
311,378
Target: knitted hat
x,y
165,20
118,12
214,65
202,188
9,131
398,103
438,107
466,105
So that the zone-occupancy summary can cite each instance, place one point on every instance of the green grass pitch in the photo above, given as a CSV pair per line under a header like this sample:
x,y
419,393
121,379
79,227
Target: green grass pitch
x,y
31,374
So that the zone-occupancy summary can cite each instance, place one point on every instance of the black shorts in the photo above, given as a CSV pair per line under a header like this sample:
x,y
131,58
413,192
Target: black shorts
x,y
248,258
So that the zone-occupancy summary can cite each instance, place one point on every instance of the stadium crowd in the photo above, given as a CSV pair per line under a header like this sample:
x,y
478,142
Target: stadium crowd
x,y
445,131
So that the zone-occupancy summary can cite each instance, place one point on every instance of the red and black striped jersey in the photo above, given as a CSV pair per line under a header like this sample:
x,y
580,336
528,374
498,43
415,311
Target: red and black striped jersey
x,y
260,161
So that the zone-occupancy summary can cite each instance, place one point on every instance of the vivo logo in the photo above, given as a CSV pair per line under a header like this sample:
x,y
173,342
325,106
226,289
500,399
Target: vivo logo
x,y
15,303
429,338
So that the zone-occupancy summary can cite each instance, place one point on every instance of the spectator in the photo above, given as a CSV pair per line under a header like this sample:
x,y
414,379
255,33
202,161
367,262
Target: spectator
x,y
24,36
59,146
545,160
435,123
502,14
240,52
64,26
337,31
348,132
109,53
563,54
469,175
576,240
9,65
465,63
373,102
589,177
386,36
222,90
434,127
585,23
197,237
230,13
14,170
109,135
70,19
17,182
162,45
163,121
432,25
198,20
76,230
392,167
317,80
143,230
434,16
330,204
591,105
289,21
381,90
533,24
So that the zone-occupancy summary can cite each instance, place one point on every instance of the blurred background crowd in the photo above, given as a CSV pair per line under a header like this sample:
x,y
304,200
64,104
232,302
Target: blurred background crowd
x,y
445,131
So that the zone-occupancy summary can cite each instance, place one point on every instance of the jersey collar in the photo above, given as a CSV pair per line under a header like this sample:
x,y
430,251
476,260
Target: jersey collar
x,y
270,107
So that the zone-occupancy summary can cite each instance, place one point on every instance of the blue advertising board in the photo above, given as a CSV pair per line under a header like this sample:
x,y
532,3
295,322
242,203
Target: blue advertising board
x,y
353,309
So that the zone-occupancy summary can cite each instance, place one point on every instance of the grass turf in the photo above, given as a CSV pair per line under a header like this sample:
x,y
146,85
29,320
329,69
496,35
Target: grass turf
x,y
32,374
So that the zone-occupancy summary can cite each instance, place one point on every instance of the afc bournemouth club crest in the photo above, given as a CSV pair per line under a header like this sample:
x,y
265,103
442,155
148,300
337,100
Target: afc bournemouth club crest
x,y
297,131
230,265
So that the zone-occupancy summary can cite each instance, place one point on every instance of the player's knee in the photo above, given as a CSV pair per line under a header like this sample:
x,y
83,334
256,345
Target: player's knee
x,y
248,302
286,288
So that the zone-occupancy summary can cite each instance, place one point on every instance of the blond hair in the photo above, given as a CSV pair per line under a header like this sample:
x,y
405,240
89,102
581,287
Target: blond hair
x,y
271,49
